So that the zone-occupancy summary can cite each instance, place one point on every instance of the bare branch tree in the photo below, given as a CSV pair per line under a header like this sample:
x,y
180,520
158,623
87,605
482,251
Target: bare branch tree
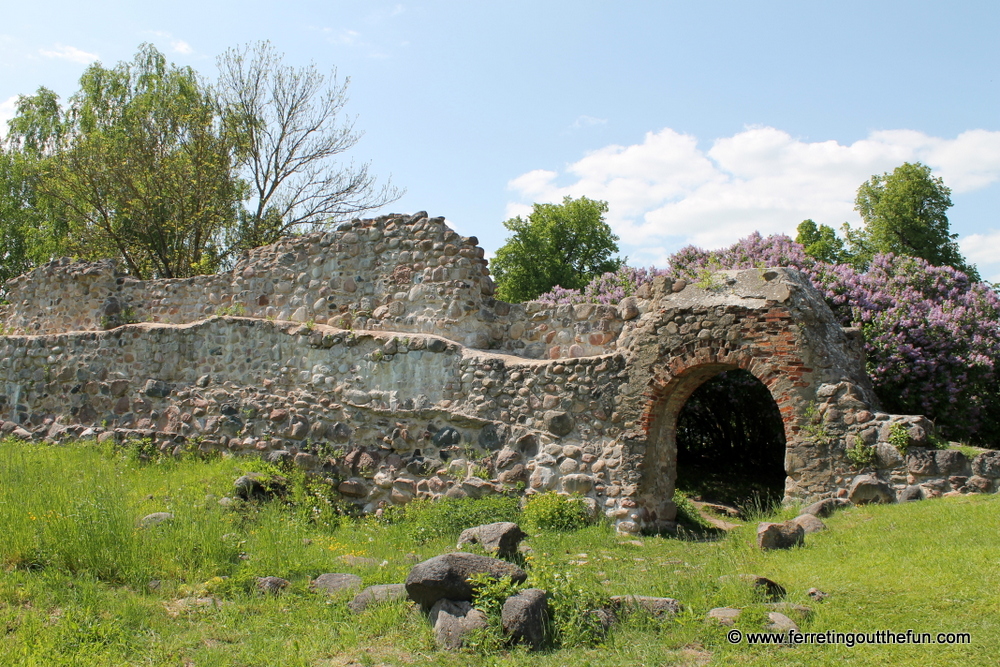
x,y
287,125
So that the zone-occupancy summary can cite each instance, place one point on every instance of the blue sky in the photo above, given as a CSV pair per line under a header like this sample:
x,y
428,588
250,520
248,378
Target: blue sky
x,y
699,122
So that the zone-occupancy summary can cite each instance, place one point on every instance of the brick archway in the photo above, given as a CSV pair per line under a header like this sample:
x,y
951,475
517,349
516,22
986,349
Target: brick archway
x,y
674,380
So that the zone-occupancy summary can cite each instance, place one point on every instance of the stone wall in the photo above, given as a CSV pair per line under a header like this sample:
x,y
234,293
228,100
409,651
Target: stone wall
x,y
377,355
401,274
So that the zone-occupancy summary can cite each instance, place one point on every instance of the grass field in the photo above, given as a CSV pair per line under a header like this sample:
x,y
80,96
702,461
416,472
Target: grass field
x,y
83,584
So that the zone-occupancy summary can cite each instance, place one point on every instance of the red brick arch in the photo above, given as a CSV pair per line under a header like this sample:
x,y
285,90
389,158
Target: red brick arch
x,y
776,364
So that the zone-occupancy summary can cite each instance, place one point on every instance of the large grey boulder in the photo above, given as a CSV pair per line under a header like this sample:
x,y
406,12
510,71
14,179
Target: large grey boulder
x,y
779,535
524,615
870,489
376,595
499,538
447,576
452,620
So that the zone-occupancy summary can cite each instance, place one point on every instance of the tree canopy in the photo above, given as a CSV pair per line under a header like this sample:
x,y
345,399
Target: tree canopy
x,y
151,164
905,213
565,244
821,242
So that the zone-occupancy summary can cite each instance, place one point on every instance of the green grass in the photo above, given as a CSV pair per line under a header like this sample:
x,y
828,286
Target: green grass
x,y
74,589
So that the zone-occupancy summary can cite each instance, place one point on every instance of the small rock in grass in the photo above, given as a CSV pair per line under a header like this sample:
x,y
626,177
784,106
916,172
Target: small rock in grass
x,y
724,615
375,595
816,594
155,519
779,535
778,622
826,507
334,582
810,524
272,585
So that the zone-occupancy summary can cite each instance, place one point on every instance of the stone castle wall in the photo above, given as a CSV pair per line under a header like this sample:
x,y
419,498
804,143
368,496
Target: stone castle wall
x,y
401,274
377,355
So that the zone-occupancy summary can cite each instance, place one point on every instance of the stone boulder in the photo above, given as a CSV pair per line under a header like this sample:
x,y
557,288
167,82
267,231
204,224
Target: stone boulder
x,y
780,535
452,620
499,538
826,507
272,585
987,464
332,583
447,576
810,523
524,616
376,595
870,489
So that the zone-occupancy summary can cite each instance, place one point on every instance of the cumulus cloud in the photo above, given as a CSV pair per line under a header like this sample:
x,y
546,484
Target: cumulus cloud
x,y
666,191
984,251
70,53
182,47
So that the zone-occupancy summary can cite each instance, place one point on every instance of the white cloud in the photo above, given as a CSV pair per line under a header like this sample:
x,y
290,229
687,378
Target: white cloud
x,y
8,109
182,47
70,53
666,191
983,250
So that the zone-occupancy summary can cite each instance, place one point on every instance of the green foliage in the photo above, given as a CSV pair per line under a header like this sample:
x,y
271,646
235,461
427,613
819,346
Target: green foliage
x,y
821,242
203,607
233,310
552,511
428,520
860,454
151,165
905,213
489,594
688,515
573,600
565,244
899,437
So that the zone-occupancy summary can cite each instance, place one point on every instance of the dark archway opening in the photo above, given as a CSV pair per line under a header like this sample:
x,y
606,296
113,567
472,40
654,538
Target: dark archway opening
x,y
731,443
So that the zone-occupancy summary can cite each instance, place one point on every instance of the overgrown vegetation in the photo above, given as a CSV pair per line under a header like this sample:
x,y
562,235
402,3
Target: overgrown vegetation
x,y
84,584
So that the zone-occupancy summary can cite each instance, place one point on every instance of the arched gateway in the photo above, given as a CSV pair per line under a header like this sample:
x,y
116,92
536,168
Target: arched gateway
x,y
376,355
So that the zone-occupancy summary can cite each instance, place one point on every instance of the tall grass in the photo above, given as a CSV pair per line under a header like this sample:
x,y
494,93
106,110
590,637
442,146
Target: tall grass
x,y
76,568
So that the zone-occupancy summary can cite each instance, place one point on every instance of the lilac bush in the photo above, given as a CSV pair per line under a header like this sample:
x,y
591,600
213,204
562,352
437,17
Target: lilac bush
x,y
932,335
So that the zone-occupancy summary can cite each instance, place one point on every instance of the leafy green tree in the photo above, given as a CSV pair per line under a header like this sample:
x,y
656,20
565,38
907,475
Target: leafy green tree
x,y
150,164
146,173
821,242
32,226
905,213
564,244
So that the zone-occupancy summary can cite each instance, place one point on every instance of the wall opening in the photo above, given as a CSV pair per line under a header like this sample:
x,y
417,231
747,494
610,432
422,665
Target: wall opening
x,y
731,442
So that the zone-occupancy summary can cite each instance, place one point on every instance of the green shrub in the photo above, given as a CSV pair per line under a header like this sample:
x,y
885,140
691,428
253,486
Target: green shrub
x,y
860,454
551,511
429,520
899,437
